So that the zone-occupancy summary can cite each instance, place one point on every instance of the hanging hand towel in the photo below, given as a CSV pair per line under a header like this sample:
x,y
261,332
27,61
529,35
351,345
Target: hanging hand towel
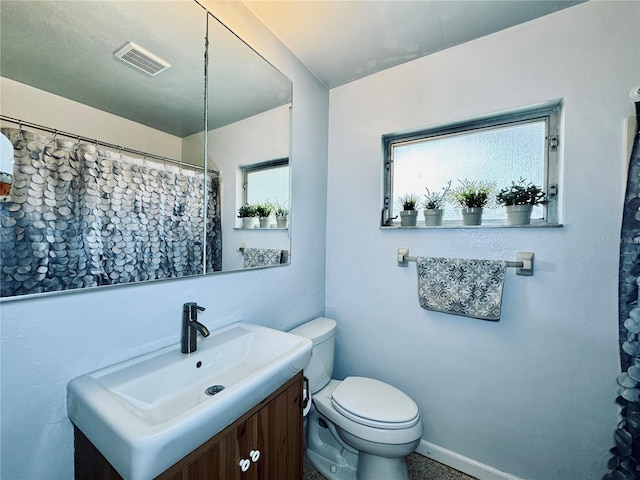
x,y
472,288
261,257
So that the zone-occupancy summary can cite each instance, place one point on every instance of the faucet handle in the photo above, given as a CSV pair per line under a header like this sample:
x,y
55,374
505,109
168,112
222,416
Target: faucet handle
x,y
190,306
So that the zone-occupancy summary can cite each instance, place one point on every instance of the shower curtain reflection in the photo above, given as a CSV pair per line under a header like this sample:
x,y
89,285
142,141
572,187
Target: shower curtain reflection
x,y
80,215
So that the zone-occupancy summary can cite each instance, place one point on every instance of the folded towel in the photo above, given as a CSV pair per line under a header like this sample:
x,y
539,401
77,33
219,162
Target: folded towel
x,y
261,257
472,288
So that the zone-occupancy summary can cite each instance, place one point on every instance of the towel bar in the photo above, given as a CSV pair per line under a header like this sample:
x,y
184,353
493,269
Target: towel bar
x,y
523,265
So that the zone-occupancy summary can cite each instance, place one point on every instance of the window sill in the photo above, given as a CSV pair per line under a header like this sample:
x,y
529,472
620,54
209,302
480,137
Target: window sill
x,y
453,224
259,228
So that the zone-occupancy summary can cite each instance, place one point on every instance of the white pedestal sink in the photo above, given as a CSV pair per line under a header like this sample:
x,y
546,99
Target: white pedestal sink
x,y
147,413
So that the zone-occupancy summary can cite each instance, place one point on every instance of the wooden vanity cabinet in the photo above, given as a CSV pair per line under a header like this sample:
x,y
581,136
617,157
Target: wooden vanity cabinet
x,y
263,444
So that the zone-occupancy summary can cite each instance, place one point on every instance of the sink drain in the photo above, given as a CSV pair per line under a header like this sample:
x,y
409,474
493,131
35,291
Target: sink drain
x,y
212,390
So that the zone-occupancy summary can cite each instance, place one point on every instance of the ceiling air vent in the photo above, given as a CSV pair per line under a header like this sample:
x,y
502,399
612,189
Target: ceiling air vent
x,y
142,59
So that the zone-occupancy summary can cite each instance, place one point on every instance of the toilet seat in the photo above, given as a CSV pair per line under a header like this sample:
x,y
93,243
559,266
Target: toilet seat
x,y
380,434
375,404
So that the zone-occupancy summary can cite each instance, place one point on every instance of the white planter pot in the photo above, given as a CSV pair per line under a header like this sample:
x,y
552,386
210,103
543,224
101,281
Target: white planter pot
x,y
518,214
408,218
471,216
248,222
264,222
282,221
433,217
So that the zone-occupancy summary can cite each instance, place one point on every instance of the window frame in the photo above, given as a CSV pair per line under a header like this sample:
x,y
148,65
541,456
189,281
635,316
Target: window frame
x,y
256,167
549,112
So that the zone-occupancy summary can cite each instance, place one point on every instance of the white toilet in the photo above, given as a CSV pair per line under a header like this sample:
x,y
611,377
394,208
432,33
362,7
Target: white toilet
x,y
358,428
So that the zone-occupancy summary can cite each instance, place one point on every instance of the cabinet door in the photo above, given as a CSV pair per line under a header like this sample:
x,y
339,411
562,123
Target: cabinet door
x,y
280,436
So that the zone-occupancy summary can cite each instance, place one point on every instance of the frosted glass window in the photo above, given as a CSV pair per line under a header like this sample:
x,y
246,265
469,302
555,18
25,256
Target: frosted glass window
x,y
497,150
267,183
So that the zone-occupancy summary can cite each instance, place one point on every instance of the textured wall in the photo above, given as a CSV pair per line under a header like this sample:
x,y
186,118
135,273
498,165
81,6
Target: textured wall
x,y
533,394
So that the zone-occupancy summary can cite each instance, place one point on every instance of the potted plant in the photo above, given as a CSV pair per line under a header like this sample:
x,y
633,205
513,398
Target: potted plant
x,y
434,203
472,197
519,200
248,214
282,215
409,213
264,211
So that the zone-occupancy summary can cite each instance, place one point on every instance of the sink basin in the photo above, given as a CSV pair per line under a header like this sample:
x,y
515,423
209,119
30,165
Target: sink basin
x,y
147,413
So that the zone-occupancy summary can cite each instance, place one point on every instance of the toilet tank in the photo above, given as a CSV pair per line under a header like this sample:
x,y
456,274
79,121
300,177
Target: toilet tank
x,y
322,332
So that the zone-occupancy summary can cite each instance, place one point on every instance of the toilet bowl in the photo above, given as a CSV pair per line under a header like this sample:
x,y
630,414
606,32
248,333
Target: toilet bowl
x,y
358,428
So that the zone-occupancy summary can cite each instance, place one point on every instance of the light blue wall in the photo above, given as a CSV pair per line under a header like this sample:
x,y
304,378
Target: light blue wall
x,y
46,341
532,395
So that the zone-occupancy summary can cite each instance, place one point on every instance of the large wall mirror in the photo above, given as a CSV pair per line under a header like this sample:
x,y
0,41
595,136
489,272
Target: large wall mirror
x,y
132,124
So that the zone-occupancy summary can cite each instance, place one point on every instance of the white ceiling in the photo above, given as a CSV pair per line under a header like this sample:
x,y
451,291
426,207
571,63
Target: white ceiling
x,y
341,40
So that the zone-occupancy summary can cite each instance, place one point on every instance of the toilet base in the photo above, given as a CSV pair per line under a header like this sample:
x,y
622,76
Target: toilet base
x,y
329,469
336,459
373,467
326,451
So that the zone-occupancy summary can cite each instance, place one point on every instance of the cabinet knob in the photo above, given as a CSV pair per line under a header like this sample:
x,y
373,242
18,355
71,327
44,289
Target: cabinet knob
x,y
255,455
245,464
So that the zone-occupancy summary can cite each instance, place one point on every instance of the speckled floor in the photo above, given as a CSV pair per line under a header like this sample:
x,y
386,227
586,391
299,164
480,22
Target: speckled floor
x,y
419,467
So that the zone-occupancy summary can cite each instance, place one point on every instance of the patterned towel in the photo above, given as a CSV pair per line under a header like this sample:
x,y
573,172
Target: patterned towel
x,y
472,288
261,257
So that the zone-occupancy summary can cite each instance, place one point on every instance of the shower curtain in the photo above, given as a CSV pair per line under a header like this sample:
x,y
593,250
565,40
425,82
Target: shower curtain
x,y
80,215
625,462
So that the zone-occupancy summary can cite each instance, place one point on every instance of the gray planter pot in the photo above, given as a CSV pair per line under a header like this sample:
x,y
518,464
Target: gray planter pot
x,y
282,221
264,222
433,217
408,218
471,216
248,222
518,214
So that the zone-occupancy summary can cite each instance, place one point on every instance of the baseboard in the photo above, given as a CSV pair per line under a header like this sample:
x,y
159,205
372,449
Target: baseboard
x,y
462,463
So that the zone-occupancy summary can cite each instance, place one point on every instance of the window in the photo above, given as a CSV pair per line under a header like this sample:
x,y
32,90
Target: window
x,y
267,182
498,149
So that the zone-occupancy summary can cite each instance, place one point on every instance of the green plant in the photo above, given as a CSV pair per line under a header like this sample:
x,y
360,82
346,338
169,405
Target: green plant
x,y
264,209
247,210
409,201
473,194
437,200
281,210
521,193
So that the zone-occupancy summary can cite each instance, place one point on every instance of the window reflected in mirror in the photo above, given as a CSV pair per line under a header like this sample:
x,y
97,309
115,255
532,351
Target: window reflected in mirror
x,y
267,183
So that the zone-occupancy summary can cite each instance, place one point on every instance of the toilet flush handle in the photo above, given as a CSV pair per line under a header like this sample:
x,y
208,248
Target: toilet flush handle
x,y
306,393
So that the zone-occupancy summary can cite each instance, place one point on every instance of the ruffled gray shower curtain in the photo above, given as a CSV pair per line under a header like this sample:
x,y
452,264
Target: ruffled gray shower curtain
x,y
80,215
625,462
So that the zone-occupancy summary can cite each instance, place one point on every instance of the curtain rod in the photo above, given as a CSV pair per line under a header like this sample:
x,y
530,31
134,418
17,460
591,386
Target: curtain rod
x,y
119,148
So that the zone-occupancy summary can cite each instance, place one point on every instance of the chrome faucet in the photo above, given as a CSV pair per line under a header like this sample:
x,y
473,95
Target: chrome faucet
x,y
191,327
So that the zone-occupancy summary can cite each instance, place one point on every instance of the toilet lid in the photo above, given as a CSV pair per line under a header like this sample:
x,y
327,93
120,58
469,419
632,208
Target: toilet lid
x,y
374,403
